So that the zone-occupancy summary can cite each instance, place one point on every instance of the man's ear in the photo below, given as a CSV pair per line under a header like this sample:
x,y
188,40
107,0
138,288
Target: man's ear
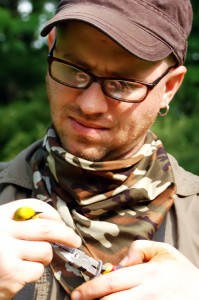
x,y
51,38
172,84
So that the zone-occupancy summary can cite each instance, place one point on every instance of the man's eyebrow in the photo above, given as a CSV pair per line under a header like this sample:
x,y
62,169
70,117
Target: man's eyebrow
x,y
74,59
68,56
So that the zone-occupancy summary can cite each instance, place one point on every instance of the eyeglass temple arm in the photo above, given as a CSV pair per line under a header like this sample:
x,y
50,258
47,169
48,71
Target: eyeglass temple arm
x,y
53,47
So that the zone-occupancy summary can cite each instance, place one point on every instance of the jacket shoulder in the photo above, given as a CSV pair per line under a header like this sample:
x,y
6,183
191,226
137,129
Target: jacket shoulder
x,y
187,183
18,170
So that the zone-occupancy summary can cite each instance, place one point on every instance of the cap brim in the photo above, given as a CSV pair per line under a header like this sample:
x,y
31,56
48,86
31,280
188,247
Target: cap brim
x,y
135,39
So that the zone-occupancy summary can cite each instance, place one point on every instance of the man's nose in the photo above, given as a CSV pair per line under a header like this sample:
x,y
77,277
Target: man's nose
x,y
92,100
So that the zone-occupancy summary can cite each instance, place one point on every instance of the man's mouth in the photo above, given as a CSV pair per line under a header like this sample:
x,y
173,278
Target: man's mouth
x,y
87,127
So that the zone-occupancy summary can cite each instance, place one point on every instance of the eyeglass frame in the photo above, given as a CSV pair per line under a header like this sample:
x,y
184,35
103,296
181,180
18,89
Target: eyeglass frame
x,y
100,80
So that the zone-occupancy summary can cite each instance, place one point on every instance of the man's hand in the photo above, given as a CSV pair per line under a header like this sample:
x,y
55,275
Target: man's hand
x,y
25,246
151,271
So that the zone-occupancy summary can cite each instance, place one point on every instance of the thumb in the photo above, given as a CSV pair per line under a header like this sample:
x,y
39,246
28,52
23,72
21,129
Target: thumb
x,y
142,251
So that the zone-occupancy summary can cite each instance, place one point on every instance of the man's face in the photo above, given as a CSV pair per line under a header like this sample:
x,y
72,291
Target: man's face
x,y
90,124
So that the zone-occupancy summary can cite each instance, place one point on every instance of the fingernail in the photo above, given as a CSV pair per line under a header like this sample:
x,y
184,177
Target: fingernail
x,y
124,261
76,295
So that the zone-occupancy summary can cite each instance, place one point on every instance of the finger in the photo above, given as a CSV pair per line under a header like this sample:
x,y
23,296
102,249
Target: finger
x,y
23,272
120,280
127,294
35,251
140,292
27,272
48,212
45,230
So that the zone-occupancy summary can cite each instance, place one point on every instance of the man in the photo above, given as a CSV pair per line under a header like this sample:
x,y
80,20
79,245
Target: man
x,y
112,68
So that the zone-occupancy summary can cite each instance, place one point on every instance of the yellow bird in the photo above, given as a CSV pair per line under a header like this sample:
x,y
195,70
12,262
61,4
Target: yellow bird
x,y
25,213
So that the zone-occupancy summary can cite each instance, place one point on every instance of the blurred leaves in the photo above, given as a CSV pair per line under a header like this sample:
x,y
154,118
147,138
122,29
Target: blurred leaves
x,y
180,137
23,58
22,123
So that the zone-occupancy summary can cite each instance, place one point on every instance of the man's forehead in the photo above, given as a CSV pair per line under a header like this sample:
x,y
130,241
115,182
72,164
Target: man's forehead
x,y
74,33
75,28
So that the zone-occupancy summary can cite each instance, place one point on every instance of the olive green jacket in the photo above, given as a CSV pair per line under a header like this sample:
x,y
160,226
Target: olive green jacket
x,y
180,229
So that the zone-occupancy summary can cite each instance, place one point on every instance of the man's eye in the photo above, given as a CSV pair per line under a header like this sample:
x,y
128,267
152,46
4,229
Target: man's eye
x,y
113,85
81,77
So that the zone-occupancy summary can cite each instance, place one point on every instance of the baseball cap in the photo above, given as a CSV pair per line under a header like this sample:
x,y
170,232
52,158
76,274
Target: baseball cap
x,y
151,30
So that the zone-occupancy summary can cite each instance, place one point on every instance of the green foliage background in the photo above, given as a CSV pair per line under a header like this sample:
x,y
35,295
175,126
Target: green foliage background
x,y
24,111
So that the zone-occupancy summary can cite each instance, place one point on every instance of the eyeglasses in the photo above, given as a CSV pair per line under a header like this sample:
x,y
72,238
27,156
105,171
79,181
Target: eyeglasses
x,y
122,89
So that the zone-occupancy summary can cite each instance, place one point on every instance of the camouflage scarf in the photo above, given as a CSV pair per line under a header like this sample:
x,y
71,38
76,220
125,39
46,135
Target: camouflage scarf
x,y
109,204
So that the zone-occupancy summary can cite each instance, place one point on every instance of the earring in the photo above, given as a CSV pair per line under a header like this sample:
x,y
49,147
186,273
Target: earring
x,y
165,112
